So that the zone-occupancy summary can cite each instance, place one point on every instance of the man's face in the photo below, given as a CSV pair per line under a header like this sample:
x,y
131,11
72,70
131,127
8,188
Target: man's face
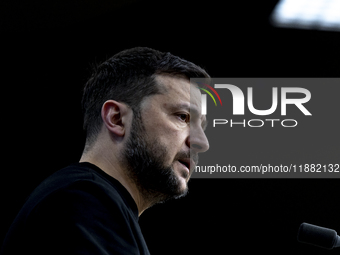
x,y
163,145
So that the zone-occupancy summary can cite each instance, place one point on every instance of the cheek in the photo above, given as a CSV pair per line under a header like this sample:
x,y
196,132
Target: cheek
x,y
171,141
166,131
161,127
168,138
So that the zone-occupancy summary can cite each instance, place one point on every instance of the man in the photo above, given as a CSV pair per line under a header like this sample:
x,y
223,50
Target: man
x,y
144,132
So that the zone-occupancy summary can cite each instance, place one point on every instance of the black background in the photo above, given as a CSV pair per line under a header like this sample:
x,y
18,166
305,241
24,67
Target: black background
x,y
47,51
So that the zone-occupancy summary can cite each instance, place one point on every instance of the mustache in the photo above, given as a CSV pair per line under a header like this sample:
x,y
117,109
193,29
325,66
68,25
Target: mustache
x,y
187,154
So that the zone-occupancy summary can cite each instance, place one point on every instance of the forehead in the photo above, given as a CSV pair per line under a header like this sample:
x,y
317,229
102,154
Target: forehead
x,y
177,88
170,84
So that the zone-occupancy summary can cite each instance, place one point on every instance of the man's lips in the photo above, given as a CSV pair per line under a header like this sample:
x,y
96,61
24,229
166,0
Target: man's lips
x,y
188,162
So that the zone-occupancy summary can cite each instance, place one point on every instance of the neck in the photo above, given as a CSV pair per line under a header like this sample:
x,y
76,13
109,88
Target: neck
x,y
113,168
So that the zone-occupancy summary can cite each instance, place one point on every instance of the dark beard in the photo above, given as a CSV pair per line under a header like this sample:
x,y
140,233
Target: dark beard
x,y
156,182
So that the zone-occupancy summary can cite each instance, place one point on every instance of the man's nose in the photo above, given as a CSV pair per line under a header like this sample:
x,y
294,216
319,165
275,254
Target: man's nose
x,y
198,141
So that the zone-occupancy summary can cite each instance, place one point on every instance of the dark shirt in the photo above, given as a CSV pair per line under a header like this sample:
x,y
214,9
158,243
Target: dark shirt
x,y
78,210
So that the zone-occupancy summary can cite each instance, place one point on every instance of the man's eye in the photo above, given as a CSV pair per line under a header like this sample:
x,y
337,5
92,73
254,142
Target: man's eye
x,y
184,117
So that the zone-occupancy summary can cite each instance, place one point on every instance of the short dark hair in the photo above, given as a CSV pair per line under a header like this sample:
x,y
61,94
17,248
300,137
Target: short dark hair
x,y
128,77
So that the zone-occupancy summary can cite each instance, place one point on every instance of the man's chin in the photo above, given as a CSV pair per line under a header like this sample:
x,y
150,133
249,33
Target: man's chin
x,y
182,188
180,185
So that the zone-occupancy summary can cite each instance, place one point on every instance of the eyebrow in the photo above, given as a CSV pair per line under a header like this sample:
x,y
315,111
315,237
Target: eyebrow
x,y
192,111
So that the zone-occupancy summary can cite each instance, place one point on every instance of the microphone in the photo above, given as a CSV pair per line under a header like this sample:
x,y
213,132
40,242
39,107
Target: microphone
x,y
318,236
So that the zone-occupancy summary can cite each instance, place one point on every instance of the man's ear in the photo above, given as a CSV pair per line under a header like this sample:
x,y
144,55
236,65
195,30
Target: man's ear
x,y
114,116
